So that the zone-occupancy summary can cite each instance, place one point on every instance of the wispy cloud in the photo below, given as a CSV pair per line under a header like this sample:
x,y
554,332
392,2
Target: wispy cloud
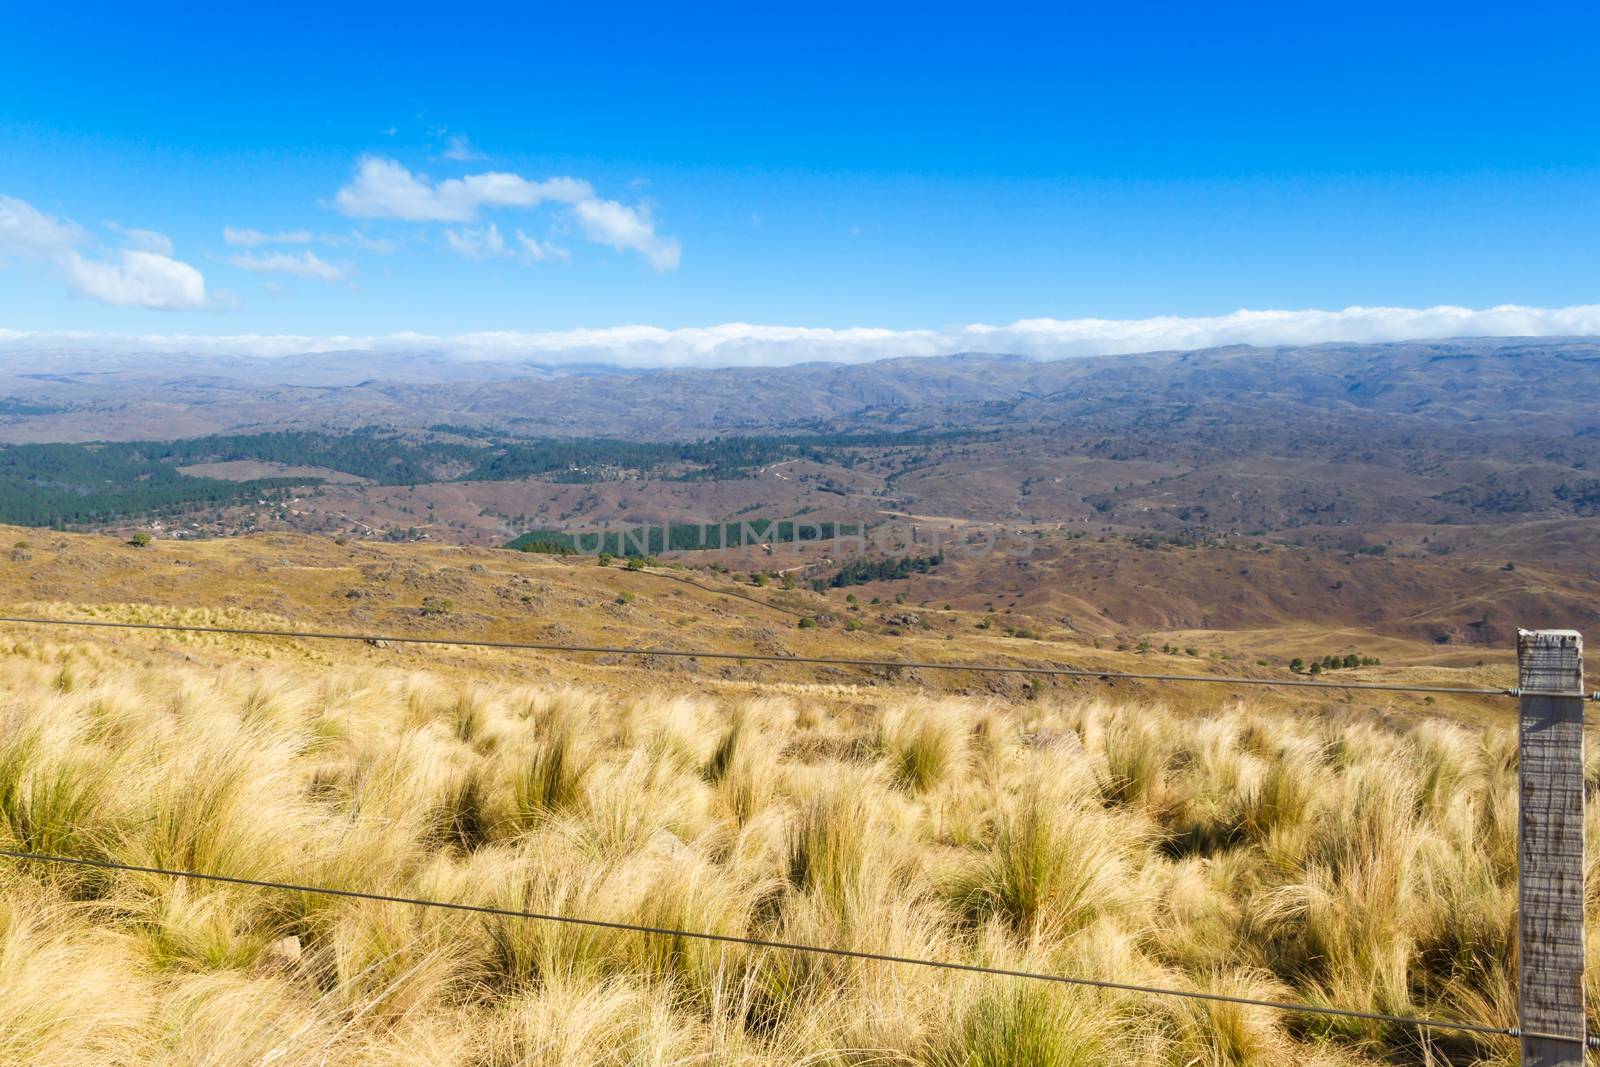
x,y
487,242
244,237
481,243
537,251
302,265
143,240
741,344
248,238
385,189
141,274
460,148
28,233
382,246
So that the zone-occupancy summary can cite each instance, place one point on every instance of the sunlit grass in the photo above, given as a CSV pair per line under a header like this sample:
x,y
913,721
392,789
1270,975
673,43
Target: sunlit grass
x,y
1234,851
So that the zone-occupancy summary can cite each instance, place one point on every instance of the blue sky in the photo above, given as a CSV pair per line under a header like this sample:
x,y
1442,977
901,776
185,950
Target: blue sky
x,y
910,168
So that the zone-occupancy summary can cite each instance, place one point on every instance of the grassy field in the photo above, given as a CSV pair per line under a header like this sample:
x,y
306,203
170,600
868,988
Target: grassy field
x,y
1319,857
1356,851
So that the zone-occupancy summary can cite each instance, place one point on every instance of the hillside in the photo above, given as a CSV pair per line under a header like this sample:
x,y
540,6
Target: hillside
x,y
1336,442
1110,605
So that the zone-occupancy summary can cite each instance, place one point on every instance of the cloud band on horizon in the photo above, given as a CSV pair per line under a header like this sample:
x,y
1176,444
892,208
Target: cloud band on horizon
x,y
744,345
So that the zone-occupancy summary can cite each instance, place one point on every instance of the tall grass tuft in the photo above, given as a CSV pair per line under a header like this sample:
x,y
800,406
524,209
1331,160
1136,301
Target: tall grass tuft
x,y
550,781
1025,1026
1052,867
829,840
921,745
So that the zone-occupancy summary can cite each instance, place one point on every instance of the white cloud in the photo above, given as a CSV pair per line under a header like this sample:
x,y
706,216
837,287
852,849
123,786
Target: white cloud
x,y
303,265
384,188
623,228
144,274
740,344
248,238
481,243
140,279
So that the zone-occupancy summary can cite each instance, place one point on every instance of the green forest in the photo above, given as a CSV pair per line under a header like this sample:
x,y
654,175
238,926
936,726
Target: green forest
x,y
70,485
862,571
99,482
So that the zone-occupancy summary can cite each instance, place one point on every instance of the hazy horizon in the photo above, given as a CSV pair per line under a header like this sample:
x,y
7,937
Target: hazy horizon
x,y
748,345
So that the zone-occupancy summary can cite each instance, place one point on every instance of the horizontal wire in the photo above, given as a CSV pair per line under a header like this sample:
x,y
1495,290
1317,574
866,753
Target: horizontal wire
x,y
989,668
786,946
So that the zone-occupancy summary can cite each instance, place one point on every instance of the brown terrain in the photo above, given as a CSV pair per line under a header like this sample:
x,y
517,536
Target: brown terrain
x,y
1083,603
1435,494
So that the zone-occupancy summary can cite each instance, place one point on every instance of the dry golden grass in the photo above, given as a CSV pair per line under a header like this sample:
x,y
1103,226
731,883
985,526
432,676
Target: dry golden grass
x,y
1239,850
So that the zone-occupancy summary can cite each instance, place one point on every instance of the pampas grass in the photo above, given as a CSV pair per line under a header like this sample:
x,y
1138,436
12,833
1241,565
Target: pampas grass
x,y
1231,851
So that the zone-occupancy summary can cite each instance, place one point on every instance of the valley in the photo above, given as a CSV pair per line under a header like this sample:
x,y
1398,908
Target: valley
x,y
1254,518
1231,490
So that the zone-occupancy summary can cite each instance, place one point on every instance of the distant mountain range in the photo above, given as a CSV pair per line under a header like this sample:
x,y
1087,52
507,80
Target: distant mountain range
x,y
1530,385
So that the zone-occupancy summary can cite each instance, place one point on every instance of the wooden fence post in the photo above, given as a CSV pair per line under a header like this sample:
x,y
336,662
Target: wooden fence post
x,y
1550,845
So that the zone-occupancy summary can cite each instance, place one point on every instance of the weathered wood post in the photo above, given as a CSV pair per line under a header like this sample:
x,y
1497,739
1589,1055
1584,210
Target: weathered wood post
x,y
1550,846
